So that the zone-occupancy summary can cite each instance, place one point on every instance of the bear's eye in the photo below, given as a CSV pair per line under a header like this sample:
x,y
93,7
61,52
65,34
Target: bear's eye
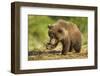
x,y
60,31
51,34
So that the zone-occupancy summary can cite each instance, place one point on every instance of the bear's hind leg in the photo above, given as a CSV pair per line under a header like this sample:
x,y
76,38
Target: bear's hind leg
x,y
77,48
70,49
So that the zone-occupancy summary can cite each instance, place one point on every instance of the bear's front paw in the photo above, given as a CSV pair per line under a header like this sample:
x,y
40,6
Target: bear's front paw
x,y
63,53
49,46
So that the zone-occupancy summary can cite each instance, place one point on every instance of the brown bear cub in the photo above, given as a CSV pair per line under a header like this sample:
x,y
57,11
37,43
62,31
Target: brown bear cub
x,y
67,33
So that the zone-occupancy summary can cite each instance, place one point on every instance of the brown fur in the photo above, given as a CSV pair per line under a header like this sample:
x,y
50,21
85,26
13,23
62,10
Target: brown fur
x,y
67,33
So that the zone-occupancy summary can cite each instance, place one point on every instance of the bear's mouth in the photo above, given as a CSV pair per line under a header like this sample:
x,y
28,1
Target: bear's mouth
x,y
52,44
53,41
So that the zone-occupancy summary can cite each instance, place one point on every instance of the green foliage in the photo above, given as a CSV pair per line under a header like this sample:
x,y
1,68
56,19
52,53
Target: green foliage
x,y
38,29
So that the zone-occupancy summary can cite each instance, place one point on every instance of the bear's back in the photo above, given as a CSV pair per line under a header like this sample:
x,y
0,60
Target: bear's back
x,y
66,25
72,28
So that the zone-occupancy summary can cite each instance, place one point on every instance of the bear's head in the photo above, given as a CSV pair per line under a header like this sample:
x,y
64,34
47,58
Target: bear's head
x,y
56,34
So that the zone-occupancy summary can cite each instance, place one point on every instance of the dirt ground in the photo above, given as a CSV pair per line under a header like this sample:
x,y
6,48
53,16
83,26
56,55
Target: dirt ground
x,y
56,54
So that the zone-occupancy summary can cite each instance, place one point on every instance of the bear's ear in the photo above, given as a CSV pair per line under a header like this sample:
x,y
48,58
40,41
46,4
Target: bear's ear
x,y
50,26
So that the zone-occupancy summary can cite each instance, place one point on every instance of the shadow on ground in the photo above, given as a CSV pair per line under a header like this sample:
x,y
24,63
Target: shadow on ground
x,y
30,53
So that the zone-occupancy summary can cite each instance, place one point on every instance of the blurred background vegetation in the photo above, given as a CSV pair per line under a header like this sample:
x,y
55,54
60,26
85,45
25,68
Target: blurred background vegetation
x,y
38,29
